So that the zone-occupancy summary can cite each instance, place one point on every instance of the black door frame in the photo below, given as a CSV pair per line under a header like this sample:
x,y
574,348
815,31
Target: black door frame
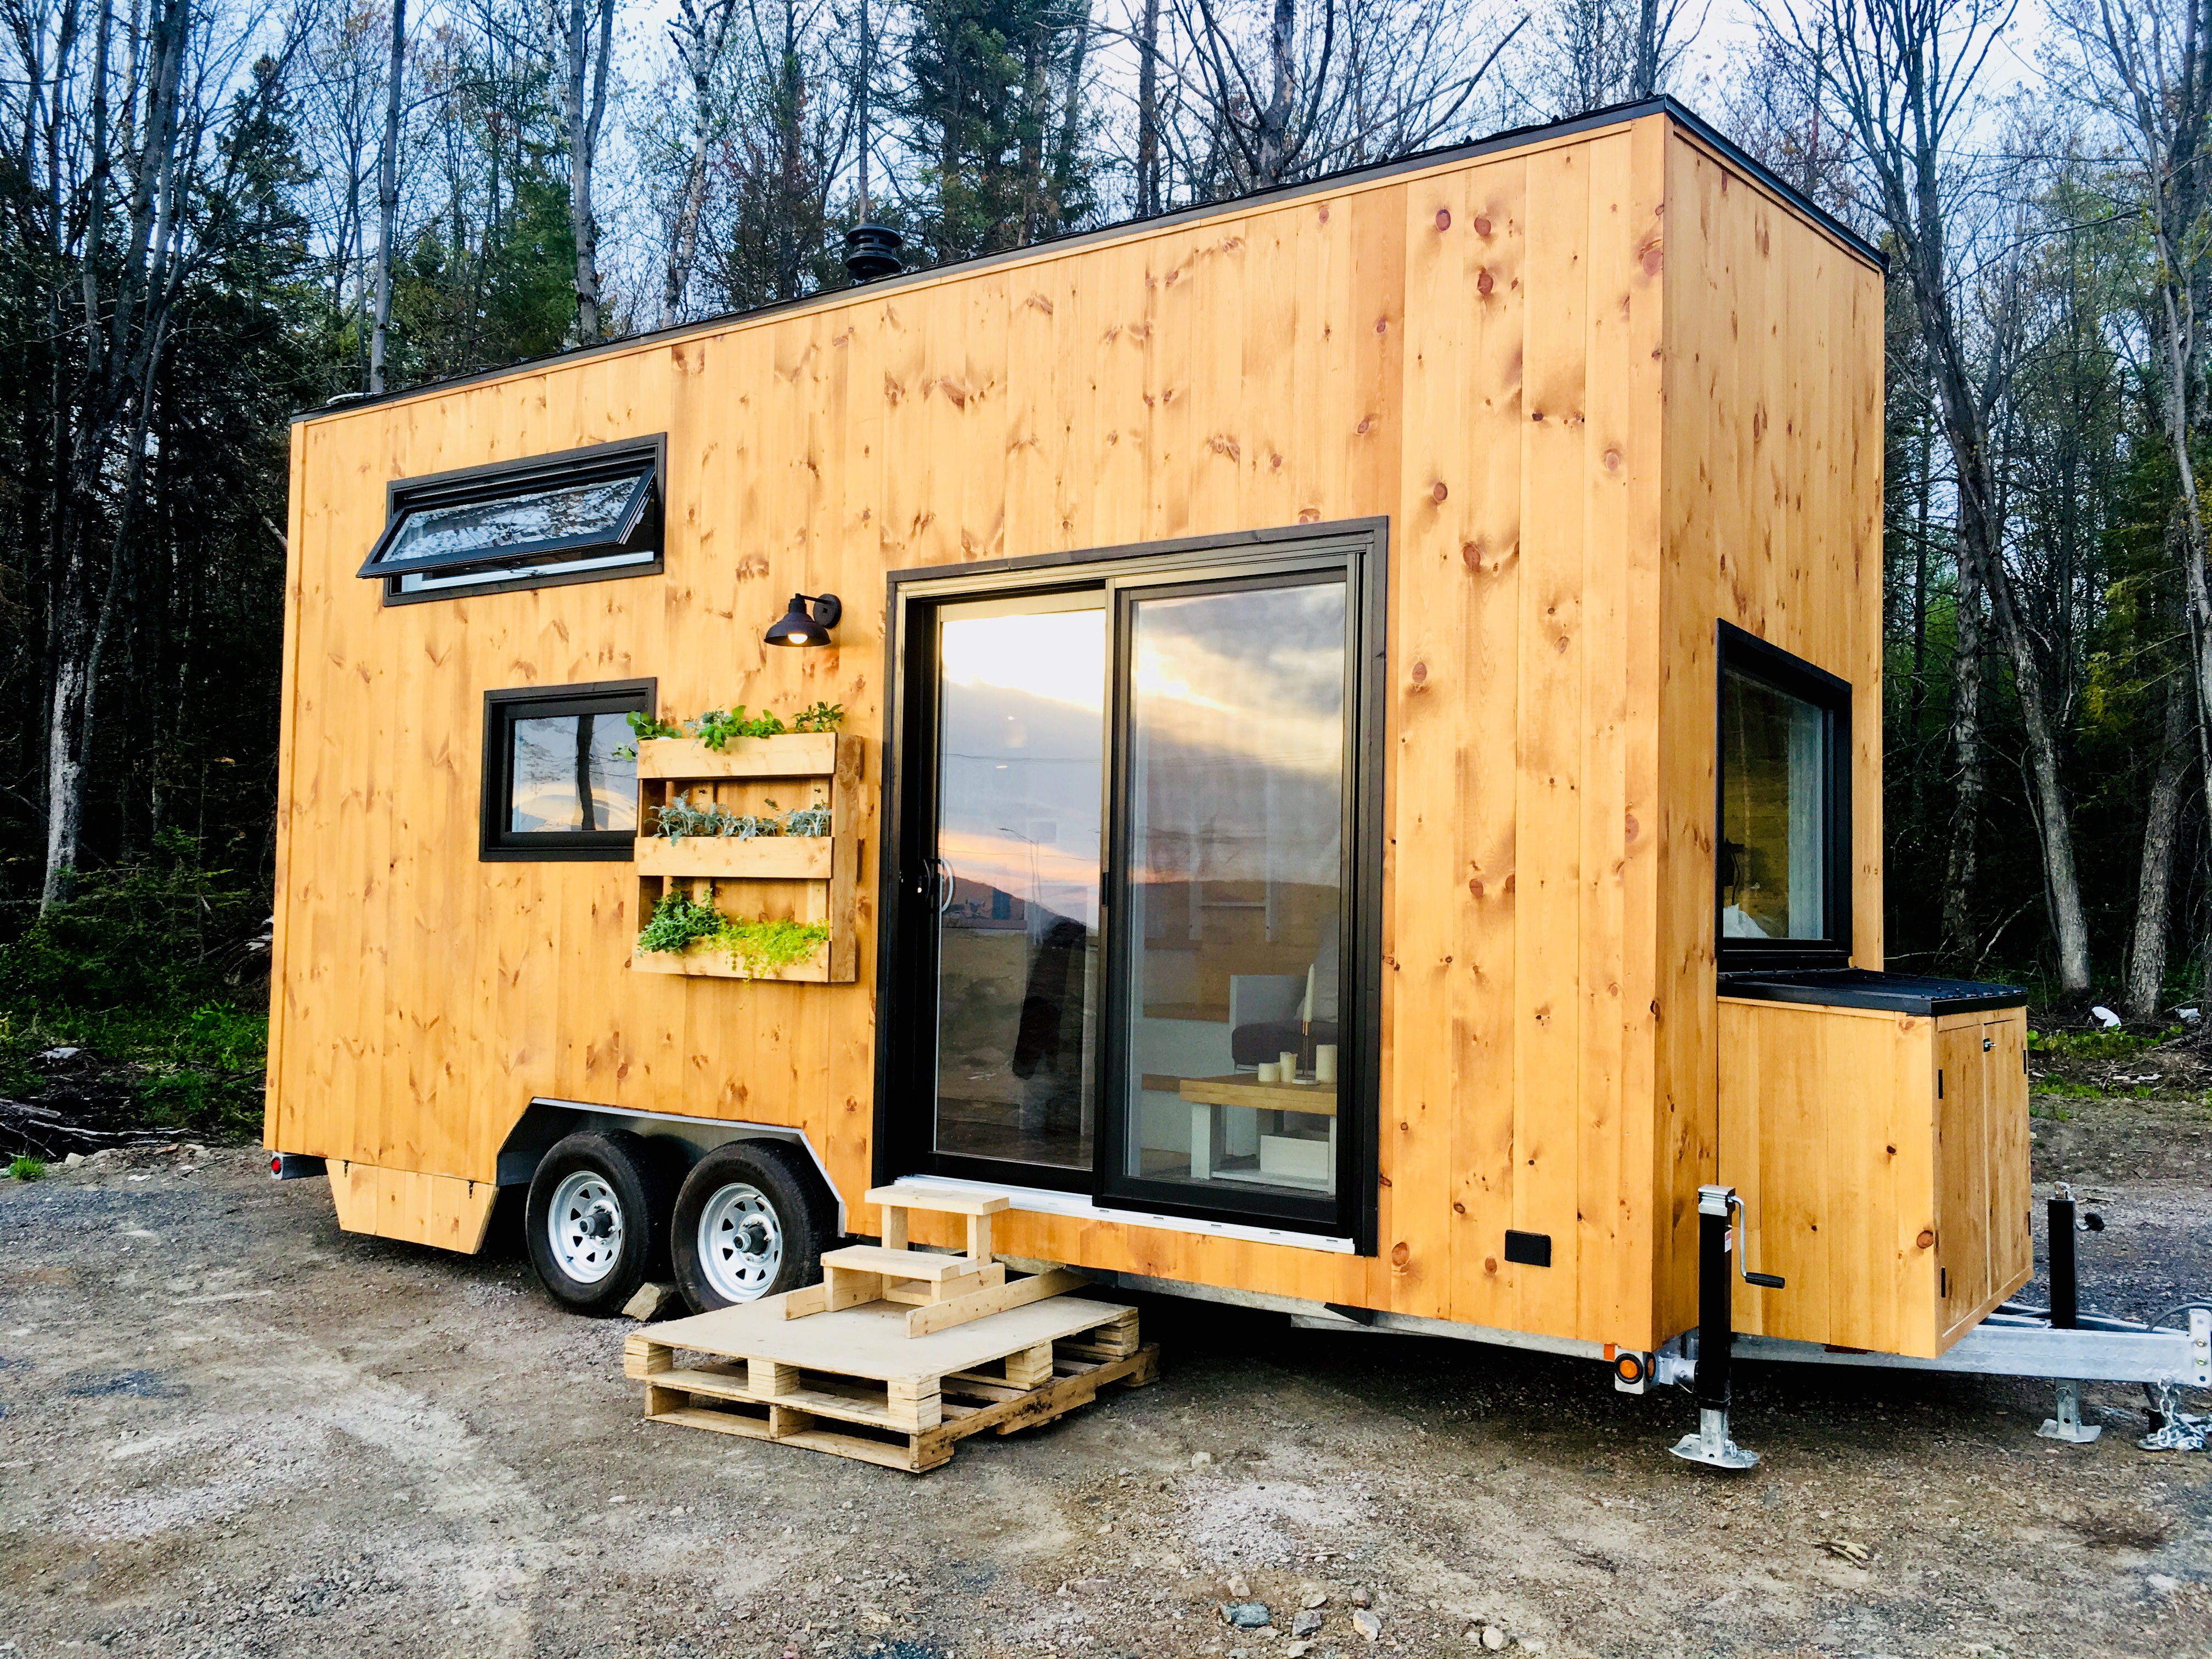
x,y
906,1048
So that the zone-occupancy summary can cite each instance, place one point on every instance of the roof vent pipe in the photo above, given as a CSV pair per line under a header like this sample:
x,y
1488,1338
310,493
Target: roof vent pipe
x,y
873,250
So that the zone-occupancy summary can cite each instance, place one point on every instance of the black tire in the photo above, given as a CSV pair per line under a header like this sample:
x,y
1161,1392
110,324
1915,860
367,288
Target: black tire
x,y
788,1203
601,1171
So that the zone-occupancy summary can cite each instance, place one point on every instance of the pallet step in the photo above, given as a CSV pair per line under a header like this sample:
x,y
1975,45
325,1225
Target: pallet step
x,y
853,1383
941,1200
979,1205
898,1264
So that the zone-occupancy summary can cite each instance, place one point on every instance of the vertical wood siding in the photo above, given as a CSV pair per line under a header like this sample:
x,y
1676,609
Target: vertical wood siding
x,y
1476,352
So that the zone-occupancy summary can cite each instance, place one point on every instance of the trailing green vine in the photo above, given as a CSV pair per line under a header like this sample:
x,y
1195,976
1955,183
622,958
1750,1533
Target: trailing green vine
x,y
761,947
717,727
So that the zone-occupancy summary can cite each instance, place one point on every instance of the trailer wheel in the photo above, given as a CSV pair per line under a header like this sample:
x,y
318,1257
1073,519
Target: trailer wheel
x,y
598,1218
750,1221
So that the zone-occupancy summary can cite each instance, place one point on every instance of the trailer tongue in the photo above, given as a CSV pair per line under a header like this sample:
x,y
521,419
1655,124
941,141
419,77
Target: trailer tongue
x,y
2059,1342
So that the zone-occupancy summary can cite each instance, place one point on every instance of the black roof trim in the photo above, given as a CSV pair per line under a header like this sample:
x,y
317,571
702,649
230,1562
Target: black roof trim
x,y
1512,138
1864,988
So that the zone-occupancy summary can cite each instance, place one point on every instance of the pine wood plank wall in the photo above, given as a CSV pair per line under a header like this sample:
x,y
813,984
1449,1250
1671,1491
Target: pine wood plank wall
x,y
1475,351
1772,520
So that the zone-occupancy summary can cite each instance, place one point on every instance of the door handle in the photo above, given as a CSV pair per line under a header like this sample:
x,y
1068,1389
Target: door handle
x,y
941,873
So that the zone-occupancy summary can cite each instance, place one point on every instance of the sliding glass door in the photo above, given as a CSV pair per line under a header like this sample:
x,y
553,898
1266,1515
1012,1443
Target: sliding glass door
x,y
1133,894
1019,783
1230,879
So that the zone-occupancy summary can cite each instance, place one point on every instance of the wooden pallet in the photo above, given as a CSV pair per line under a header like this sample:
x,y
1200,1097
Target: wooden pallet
x,y
852,1382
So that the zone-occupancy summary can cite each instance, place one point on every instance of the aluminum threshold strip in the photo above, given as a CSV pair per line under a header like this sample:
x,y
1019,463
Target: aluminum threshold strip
x,y
1991,1350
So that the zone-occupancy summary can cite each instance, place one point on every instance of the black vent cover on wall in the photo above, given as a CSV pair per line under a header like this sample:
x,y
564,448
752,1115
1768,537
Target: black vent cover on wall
x,y
1529,1249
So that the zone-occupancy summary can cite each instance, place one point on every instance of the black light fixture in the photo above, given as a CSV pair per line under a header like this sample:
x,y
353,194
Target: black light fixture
x,y
808,621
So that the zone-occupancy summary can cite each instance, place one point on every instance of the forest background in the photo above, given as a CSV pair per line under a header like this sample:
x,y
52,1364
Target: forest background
x,y
216,213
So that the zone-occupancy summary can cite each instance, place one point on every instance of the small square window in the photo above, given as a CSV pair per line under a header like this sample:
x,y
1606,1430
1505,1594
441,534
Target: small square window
x,y
557,781
1783,854
580,516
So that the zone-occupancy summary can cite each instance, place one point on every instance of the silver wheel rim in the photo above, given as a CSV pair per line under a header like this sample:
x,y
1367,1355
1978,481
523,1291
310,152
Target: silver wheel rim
x,y
584,1227
740,1243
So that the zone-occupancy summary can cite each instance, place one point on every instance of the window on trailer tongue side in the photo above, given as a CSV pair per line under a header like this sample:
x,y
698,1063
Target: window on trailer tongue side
x,y
1782,852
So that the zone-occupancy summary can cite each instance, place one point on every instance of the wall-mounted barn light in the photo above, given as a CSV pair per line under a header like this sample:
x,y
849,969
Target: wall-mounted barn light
x,y
808,621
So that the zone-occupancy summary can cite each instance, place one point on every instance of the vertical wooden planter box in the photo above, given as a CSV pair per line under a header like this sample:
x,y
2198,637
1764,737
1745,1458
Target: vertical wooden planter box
x,y
806,879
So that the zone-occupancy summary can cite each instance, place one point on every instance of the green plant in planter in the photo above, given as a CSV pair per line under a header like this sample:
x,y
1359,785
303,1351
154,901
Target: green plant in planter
x,y
717,727
680,819
678,923
763,947
760,947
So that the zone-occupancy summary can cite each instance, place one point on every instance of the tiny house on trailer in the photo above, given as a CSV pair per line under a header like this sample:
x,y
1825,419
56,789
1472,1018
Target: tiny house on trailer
x,y
1357,788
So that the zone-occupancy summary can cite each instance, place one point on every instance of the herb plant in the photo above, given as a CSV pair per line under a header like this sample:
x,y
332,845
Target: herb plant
x,y
680,819
717,727
760,947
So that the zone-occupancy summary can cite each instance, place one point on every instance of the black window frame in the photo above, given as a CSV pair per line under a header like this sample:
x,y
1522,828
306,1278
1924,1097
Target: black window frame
x,y
641,529
1741,652
495,842
905,1055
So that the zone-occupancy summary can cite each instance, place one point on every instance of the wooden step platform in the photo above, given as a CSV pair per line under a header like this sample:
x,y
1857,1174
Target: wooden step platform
x,y
851,1381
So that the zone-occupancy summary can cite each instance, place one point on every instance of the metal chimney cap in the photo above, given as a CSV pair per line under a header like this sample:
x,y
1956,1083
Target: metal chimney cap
x,y
872,251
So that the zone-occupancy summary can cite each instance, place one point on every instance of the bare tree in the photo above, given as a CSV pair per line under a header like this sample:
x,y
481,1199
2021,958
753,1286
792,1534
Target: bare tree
x,y
701,32
580,37
1280,94
1655,49
1903,76
1148,110
342,63
2145,991
2147,68
1961,855
388,195
148,209
1590,53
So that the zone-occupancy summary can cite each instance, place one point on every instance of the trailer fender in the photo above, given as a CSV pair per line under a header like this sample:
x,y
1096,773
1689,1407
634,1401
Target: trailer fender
x,y
546,1121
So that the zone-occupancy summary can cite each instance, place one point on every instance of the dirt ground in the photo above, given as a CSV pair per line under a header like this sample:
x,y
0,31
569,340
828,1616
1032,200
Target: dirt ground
x,y
230,1429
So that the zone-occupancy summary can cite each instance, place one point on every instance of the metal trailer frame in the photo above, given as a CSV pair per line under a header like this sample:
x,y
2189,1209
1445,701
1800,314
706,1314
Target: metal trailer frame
x,y
2059,1344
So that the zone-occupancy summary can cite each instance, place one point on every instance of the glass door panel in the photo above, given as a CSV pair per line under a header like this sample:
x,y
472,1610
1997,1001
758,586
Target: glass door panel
x,y
1231,893
1020,760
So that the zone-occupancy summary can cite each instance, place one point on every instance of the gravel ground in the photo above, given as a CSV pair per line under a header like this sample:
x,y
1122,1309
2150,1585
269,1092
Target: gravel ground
x,y
230,1429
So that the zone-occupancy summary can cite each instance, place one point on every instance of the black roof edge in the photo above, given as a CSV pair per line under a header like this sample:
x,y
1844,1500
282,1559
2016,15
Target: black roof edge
x,y
1512,138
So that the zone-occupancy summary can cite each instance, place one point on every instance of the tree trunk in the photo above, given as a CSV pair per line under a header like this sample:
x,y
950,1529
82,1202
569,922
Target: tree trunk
x,y
699,43
1148,113
581,119
1981,551
2145,992
1645,79
1960,864
125,331
1275,120
387,198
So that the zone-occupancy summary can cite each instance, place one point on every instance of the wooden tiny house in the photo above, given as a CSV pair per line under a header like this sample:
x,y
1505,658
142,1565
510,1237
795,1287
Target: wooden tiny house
x,y
1426,623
